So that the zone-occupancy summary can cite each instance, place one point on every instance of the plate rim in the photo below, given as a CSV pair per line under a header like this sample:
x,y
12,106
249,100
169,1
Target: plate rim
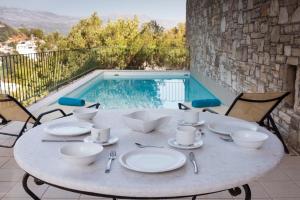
x,y
179,165
226,133
184,147
106,143
199,123
48,131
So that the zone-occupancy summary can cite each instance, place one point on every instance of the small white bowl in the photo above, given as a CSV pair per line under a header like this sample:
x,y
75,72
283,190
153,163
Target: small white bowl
x,y
145,122
249,139
85,113
81,154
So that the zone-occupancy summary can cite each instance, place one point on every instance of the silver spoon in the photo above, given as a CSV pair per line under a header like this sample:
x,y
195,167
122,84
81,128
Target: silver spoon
x,y
145,146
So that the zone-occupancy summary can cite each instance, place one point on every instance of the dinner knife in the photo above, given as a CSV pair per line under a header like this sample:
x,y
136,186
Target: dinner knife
x,y
193,160
50,140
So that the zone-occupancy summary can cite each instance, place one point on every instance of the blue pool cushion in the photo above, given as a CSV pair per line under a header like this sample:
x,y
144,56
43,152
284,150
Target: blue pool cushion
x,y
201,103
68,101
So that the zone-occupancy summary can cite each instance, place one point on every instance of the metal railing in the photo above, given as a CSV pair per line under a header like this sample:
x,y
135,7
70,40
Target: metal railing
x,y
29,77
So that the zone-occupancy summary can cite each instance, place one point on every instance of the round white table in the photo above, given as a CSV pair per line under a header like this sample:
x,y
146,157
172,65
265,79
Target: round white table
x,y
222,165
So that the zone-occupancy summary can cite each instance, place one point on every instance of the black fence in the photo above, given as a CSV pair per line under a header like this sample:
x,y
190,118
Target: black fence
x,y
29,77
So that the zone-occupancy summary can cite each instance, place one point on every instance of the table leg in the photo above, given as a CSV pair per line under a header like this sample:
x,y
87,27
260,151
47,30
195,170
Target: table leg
x,y
247,192
194,197
27,190
237,191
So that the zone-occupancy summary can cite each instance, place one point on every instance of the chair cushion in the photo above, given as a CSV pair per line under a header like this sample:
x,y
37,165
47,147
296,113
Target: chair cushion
x,y
67,101
201,103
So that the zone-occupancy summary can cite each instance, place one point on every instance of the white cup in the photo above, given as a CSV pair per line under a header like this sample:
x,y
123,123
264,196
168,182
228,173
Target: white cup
x,y
100,134
190,116
186,135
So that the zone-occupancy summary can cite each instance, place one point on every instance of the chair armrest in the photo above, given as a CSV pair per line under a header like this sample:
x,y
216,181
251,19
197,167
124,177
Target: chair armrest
x,y
96,105
181,106
38,119
209,110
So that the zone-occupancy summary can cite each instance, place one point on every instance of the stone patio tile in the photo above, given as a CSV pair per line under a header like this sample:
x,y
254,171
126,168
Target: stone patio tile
x,y
55,193
293,172
10,164
282,189
11,174
6,187
290,161
6,152
18,191
275,175
3,160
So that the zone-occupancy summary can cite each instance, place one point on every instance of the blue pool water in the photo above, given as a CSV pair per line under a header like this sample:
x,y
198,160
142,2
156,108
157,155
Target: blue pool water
x,y
141,91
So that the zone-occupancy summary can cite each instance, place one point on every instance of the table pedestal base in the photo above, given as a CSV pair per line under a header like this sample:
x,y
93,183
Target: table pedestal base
x,y
233,191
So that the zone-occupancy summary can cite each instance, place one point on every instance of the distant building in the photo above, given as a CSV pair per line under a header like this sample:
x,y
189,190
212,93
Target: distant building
x,y
26,47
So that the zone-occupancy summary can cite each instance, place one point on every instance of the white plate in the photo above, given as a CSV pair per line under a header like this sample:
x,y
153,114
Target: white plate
x,y
183,123
68,128
172,142
152,160
226,128
112,140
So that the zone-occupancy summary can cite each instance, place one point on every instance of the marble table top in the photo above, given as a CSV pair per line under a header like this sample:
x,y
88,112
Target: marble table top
x,y
222,165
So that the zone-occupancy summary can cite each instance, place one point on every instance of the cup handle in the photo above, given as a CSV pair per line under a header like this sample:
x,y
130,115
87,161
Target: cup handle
x,y
199,133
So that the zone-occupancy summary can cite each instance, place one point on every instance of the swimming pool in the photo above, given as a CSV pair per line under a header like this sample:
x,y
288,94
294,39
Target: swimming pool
x,y
141,90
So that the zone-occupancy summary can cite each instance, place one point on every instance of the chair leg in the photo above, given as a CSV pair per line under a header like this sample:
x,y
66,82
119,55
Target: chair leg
x,y
17,136
277,133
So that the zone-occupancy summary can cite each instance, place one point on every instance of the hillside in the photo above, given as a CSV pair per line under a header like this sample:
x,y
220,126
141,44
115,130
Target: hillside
x,y
6,32
50,22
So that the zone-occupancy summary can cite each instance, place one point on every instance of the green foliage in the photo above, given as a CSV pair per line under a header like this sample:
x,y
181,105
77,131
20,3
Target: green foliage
x,y
124,43
38,33
6,32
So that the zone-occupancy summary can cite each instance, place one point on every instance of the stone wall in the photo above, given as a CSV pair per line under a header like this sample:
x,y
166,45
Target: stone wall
x,y
250,45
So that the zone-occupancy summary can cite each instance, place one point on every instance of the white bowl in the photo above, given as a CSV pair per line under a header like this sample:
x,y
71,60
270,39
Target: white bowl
x,y
249,139
85,113
81,153
145,122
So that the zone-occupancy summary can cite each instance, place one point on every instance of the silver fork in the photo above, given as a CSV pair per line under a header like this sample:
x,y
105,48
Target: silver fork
x,y
111,157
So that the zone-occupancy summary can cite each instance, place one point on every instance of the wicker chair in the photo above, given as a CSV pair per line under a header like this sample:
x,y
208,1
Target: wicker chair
x,y
11,110
254,107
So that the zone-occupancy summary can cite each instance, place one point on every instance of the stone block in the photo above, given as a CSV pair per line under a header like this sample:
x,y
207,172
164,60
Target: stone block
x,y
296,15
287,50
240,5
285,38
285,117
240,18
266,58
280,59
250,4
296,52
283,16
223,25
279,49
274,8
264,27
275,34
292,60
257,35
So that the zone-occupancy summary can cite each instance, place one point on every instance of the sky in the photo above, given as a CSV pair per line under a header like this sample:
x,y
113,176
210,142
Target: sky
x,y
162,9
